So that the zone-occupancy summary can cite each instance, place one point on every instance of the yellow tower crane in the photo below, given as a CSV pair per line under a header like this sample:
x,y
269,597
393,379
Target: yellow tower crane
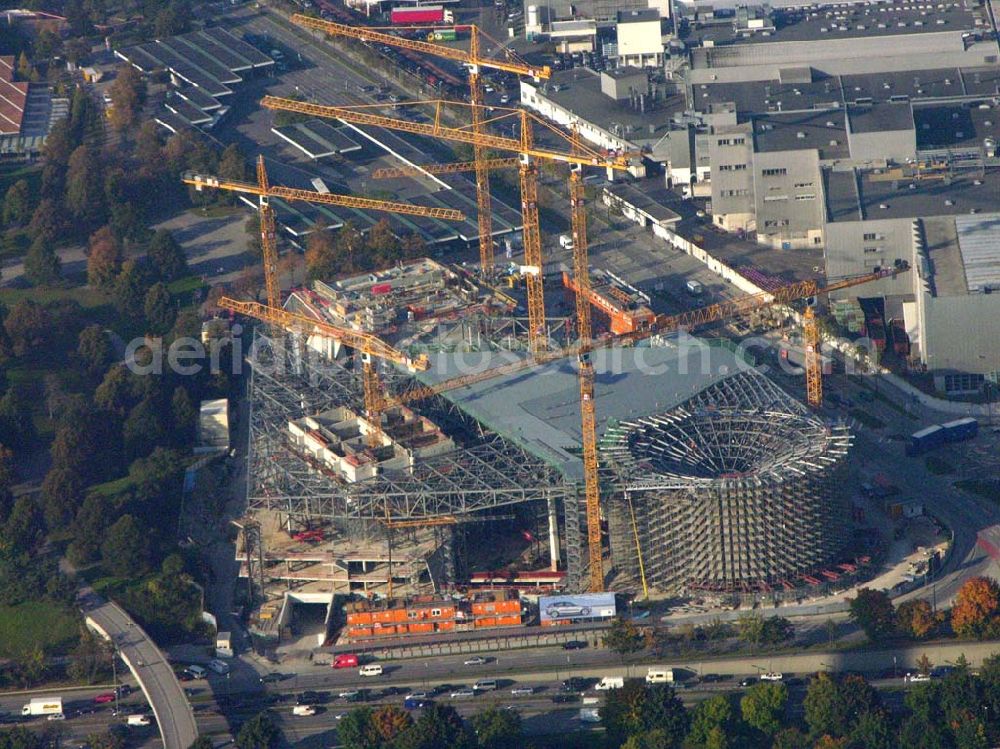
x,y
452,168
474,61
523,146
273,313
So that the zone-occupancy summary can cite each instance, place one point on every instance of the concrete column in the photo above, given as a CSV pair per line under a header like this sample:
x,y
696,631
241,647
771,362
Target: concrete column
x,y
553,534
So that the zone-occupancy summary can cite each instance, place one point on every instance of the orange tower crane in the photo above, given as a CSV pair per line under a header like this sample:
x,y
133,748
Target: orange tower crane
x,y
474,61
528,155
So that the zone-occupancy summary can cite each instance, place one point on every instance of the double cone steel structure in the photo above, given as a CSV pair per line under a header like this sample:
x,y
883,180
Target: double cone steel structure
x,y
733,490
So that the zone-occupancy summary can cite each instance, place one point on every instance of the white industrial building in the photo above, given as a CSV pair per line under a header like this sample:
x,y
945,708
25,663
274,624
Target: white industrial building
x,y
640,38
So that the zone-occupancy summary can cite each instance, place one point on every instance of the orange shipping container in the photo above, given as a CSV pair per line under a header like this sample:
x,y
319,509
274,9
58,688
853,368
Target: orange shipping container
x,y
509,621
486,621
421,626
446,626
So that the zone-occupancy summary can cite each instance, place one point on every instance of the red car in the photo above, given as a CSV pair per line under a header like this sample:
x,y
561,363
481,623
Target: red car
x,y
103,699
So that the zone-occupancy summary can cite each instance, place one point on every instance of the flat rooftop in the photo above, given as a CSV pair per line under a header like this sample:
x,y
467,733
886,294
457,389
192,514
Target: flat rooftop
x,y
650,197
878,118
855,197
979,243
848,20
956,126
826,131
317,138
580,93
823,92
539,409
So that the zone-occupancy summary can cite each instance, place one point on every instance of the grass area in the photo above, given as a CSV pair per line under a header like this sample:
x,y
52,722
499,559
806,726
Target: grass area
x,y
88,298
32,174
185,286
985,488
938,465
42,623
872,422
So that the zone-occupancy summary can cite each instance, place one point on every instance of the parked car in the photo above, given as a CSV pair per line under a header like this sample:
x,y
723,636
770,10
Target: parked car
x,y
476,660
103,699
574,645
271,678
219,667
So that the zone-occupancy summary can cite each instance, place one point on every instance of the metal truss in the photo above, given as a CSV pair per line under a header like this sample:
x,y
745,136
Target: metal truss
x,y
288,382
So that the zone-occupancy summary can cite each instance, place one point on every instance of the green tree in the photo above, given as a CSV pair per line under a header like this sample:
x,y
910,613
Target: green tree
x,y
824,709
20,738
45,225
30,666
42,266
104,259
709,716
751,629
161,312
872,730
976,612
184,415
17,204
355,730
497,729
166,257
129,294
233,164
172,20
84,183
763,706
260,732
61,493
322,257
116,393
17,430
776,630
872,611
89,658
202,742
124,551
624,637
28,326
143,429
25,526
438,726
94,350
636,708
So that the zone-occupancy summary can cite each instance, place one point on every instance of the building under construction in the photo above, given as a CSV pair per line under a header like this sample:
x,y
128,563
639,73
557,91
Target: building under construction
x,y
331,511
733,490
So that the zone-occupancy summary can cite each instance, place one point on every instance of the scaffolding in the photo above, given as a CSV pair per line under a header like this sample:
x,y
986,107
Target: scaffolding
x,y
288,382
735,490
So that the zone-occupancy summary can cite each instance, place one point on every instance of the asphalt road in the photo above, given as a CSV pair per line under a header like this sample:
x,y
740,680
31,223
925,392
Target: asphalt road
x,y
153,672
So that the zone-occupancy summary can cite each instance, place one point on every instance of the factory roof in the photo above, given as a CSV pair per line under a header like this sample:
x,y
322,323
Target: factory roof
x,y
579,92
979,242
955,126
879,118
317,138
13,97
870,196
840,21
791,131
539,409
770,96
638,16
650,197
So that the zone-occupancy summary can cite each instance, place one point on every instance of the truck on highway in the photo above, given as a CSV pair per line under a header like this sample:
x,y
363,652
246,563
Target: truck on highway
x,y
660,675
345,660
43,706
420,14
610,682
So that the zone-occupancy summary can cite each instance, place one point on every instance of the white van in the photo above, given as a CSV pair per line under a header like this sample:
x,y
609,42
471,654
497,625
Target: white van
x,y
304,710
220,667
695,288
372,669
660,675
197,671
485,685
566,241
137,720
610,682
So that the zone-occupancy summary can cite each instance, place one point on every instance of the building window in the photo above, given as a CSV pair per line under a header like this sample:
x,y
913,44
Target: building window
x,y
871,237
740,167
806,196
411,614
435,612
871,250
963,382
723,142
779,172
773,198
803,184
739,141
817,240
725,167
